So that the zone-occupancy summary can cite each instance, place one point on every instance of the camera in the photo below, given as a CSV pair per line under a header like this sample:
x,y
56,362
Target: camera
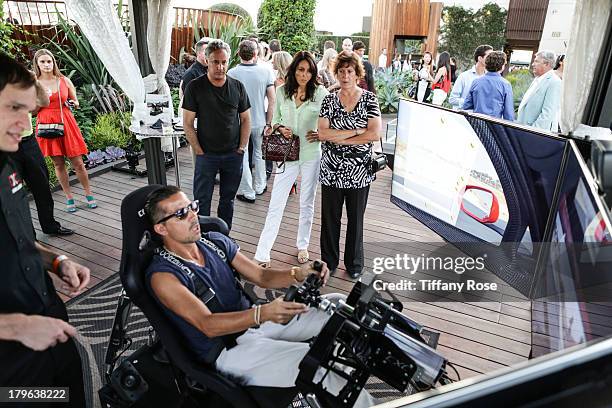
x,y
366,335
378,162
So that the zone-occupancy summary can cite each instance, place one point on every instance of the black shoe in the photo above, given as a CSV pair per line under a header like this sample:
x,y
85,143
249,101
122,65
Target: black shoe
x,y
262,191
354,274
60,231
332,271
241,197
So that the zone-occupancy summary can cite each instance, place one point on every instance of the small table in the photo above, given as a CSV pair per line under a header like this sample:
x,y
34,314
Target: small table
x,y
156,172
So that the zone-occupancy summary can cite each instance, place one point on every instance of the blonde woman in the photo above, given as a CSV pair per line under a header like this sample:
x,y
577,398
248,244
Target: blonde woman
x,y
280,62
325,73
62,95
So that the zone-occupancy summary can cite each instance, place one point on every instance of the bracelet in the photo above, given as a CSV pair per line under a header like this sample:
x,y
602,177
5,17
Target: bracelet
x,y
257,315
56,263
294,271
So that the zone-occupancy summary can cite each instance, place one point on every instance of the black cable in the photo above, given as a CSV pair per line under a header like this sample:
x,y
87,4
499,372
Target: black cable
x,y
455,370
128,340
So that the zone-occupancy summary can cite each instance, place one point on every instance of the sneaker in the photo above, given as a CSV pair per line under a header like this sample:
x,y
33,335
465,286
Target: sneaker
x,y
262,191
241,197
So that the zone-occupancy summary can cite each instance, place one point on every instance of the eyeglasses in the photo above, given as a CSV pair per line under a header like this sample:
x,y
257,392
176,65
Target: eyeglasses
x,y
182,213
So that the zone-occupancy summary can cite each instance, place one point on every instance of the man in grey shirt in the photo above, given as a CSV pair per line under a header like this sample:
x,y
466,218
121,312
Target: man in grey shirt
x,y
259,83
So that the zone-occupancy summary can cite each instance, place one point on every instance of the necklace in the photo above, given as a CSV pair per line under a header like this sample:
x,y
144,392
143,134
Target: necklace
x,y
181,258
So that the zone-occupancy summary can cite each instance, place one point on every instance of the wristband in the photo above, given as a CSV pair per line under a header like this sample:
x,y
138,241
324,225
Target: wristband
x,y
56,263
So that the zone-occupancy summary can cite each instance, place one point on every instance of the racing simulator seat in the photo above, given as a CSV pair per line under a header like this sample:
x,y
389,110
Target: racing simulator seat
x,y
195,384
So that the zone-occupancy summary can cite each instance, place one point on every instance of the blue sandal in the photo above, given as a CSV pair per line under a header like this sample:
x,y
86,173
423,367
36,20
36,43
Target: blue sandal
x,y
70,206
91,202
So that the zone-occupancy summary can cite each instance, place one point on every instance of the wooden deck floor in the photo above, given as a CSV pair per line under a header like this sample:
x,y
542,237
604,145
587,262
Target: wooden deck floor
x,y
478,337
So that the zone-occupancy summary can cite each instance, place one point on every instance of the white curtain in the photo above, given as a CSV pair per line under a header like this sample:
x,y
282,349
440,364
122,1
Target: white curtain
x,y
159,40
99,22
586,39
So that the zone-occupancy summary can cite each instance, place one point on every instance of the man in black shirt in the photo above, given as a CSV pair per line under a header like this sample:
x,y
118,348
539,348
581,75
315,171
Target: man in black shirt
x,y
199,68
366,83
36,348
221,105
32,167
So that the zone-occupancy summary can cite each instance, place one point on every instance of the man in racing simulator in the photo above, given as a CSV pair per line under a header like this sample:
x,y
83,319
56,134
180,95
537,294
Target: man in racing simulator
x,y
193,278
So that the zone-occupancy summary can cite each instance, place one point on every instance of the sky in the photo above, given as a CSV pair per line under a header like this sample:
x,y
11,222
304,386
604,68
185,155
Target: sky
x,y
328,11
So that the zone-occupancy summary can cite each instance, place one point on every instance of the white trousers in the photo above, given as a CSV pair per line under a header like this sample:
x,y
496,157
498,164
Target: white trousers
x,y
270,355
439,96
280,192
253,183
421,89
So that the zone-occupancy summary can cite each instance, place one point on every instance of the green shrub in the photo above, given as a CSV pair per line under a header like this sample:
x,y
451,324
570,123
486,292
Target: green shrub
x,y
290,21
79,61
85,115
232,9
231,33
520,80
390,85
111,129
174,92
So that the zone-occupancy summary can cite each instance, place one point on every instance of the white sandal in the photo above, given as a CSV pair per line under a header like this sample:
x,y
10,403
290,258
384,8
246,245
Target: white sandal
x,y
303,256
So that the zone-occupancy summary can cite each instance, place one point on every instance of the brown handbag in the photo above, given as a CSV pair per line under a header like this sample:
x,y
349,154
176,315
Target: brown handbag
x,y
278,148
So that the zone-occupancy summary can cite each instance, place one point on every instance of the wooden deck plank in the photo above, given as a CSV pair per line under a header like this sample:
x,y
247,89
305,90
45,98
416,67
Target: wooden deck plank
x,y
478,337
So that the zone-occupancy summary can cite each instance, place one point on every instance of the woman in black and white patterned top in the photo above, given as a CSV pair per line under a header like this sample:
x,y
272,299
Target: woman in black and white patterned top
x,y
349,122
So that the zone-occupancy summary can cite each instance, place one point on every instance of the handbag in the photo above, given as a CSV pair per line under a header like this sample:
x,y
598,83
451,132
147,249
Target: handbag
x,y
278,148
412,90
53,130
378,161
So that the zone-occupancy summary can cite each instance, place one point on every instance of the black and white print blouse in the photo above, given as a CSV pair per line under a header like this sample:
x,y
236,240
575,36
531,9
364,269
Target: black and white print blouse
x,y
347,166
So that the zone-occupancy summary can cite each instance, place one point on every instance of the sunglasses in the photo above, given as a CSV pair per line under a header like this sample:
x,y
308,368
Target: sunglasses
x,y
182,213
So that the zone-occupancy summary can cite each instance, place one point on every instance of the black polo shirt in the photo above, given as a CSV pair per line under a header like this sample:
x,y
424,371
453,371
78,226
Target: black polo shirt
x,y
26,287
194,71
218,110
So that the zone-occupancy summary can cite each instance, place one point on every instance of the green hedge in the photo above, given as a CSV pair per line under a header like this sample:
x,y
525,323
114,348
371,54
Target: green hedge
x,y
111,129
520,80
290,21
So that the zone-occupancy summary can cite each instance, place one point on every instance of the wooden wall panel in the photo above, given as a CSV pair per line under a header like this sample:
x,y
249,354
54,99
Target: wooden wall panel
x,y
525,20
435,15
403,18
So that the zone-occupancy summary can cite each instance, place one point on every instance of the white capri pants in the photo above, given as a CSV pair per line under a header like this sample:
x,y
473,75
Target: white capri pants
x,y
269,356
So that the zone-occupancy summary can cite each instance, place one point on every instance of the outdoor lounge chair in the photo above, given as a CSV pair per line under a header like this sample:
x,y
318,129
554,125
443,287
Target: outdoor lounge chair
x,y
194,380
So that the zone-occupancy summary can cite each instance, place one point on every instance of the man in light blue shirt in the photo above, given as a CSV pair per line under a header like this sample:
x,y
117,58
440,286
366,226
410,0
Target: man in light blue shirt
x,y
258,81
464,81
491,94
540,104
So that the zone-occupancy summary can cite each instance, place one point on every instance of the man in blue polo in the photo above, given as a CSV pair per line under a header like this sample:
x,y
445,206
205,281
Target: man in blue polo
x,y
491,94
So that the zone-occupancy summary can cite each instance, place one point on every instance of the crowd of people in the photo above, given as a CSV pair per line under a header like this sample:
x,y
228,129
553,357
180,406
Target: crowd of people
x,y
483,89
330,107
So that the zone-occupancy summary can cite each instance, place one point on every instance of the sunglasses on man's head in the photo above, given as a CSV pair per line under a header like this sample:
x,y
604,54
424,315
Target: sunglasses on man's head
x,y
182,213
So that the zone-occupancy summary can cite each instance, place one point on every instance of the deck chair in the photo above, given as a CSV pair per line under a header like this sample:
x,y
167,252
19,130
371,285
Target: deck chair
x,y
192,378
